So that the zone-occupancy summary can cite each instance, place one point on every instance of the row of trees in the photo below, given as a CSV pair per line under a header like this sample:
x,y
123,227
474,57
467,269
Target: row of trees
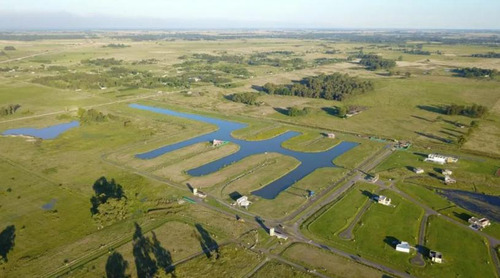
x,y
476,72
486,55
116,45
246,98
103,62
474,111
463,138
417,52
9,48
9,109
375,62
332,87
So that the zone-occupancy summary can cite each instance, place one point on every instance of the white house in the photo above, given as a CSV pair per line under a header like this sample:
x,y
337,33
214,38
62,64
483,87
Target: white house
x,y
440,159
478,224
403,247
279,235
418,170
331,135
383,200
243,202
199,193
446,172
436,257
448,180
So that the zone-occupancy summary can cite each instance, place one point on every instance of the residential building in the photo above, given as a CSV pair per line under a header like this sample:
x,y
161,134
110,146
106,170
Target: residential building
x,y
403,247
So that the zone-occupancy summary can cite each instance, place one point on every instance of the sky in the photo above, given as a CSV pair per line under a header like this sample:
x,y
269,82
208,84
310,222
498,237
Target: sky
x,y
228,14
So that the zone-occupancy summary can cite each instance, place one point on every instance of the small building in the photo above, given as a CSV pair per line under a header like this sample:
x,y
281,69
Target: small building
x,y
436,257
446,172
199,193
479,224
373,179
440,159
418,170
330,135
243,202
218,143
386,201
448,180
403,247
273,232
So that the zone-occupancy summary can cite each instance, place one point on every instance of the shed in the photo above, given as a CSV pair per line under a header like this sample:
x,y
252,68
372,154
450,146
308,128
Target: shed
x,y
403,247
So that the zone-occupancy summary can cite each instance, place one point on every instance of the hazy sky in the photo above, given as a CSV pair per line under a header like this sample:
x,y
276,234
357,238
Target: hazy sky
x,y
457,14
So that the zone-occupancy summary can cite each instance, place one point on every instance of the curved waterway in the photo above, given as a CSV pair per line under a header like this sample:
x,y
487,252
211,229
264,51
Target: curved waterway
x,y
308,161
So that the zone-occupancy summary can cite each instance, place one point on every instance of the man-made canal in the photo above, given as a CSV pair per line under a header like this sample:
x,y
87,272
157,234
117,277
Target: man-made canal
x,y
308,161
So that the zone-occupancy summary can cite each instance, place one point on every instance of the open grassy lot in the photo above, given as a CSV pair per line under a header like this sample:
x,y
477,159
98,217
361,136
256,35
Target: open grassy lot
x,y
341,213
328,263
281,270
377,231
453,242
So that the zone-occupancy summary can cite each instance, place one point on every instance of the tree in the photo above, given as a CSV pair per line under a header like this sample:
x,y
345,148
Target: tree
x,y
407,74
9,48
341,111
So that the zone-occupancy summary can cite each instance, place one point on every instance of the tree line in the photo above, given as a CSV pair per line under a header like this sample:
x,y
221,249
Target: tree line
x,y
332,87
476,72
474,111
486,55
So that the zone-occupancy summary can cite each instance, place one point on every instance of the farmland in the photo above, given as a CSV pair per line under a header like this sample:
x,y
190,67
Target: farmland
x,y
84,204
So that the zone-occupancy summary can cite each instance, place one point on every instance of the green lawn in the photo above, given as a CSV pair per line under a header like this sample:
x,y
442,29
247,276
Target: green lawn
x,y
341,213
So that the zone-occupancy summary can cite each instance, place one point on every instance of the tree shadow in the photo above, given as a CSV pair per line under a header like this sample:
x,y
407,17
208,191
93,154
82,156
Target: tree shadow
x,y
435,137
463,216
261,223
454,130
438,170
330,111
433,175
423,250
410,168
368,194
163,257
434,109
281,110
235,195
422,118
421,154
116,266
144,263
258,88
207,242
448,133
391,241
104,190
7,241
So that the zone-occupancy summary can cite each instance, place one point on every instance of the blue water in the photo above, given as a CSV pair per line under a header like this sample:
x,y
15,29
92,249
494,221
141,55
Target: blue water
x,y
50,205
309,161
50,132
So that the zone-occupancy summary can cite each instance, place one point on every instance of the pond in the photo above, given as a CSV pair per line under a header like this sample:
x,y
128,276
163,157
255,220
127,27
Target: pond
x,y
308,161
49,132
